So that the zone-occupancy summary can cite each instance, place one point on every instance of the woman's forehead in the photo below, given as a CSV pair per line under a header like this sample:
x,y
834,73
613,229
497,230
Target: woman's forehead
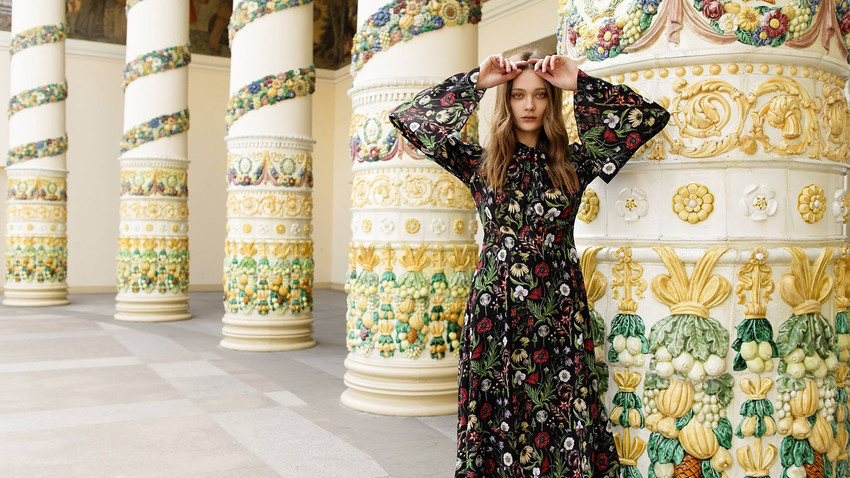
x,y
528,80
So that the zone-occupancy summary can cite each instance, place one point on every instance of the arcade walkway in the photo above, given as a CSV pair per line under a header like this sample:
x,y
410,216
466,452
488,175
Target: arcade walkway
x,y
82,395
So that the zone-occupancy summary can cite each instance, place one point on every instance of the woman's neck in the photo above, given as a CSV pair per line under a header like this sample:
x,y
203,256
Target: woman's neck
x,y
528,138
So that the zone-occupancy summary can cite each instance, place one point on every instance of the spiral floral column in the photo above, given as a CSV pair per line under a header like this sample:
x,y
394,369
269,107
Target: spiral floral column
x,y
268,266
413,224
36,241
745,184
153,243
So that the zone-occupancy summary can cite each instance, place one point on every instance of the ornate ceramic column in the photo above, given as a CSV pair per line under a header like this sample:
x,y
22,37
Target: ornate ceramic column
x,y
153,242
268,266
36,240
413,224
733,217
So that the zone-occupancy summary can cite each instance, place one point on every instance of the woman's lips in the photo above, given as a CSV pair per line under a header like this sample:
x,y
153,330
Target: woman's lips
x,y
529,118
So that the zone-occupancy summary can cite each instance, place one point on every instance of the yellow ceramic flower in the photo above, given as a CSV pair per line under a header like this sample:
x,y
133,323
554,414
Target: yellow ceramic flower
x,y
588,209
451,12
693,203
748,18
811,203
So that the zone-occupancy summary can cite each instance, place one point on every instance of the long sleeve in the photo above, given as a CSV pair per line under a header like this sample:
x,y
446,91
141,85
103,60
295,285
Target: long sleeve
x,y
432,121
613,122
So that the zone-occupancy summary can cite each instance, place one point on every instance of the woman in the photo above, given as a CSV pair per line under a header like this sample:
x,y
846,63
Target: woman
x,y
528,400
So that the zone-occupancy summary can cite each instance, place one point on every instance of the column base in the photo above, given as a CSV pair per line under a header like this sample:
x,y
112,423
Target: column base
x,y
36,295
267,333
400,387
151,308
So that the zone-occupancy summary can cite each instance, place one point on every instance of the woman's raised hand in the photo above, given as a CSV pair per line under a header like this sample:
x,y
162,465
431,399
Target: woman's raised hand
x,y
558,70
496,69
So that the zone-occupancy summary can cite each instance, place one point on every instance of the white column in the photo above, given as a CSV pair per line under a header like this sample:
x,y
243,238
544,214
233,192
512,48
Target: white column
x,y
413,224
732,218
268,267
153,244
36,240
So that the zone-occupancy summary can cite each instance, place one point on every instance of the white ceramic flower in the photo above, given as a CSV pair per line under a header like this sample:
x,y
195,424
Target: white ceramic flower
x,y
387,226
728,22
759,202
632,204
841,206
438,226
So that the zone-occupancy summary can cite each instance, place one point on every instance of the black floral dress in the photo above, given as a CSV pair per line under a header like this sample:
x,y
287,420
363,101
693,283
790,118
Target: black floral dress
x,y
528,401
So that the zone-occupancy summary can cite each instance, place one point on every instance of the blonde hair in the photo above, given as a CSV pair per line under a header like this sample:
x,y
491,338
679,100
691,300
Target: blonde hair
x,y
553,141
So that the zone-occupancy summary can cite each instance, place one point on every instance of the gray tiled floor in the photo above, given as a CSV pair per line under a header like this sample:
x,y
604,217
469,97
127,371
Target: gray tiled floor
x,y
82,395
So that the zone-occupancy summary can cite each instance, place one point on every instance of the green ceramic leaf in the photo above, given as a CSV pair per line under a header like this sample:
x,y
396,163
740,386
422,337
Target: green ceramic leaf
x,y
723,432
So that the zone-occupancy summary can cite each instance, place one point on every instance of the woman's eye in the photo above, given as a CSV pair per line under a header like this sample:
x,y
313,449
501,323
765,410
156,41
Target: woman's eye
x,y
541,95
517,95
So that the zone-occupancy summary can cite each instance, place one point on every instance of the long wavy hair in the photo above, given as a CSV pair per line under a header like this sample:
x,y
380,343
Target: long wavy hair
x,y
553,141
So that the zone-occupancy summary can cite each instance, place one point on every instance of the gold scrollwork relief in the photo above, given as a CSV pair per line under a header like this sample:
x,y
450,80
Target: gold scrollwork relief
x,y
270,205
410,190
29,212
154,209
710,116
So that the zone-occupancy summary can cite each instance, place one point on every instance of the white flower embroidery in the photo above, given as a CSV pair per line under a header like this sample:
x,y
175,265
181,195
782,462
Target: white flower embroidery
x,y
508,459
758,202
443,116
538,209
565,289
509,242
485,384
505,427
519,377
502,254
484,299
569,443
841,206
564,375
609,168
414,127
473,78
520,293
550,239
611,120
542,416
632,204
424,100
543,331
552,213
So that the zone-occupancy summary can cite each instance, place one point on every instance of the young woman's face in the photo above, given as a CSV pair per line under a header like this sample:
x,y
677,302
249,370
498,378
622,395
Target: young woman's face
x,y
529,100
